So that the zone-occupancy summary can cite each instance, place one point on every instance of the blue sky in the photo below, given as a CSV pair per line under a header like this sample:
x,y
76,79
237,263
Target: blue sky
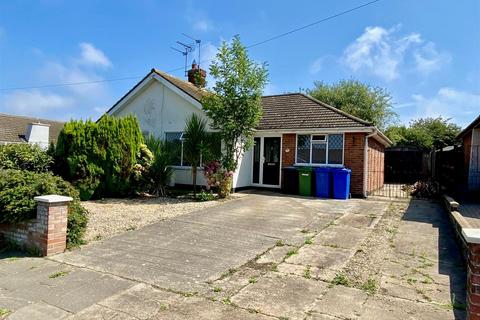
x,y
425,53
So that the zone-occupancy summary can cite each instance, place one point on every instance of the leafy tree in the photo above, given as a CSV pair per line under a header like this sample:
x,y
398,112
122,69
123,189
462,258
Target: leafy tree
x,y
235,105
373,104
426,133
194,144
160,171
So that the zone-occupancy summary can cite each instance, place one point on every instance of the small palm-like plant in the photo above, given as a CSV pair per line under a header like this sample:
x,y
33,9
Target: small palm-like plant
x,y
160,172
194,143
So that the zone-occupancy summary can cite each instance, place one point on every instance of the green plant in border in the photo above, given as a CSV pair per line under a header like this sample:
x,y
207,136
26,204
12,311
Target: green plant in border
x,y
160,171
194,144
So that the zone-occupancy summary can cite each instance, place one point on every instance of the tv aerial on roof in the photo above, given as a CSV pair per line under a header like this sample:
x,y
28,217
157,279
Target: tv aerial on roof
x,y
186,49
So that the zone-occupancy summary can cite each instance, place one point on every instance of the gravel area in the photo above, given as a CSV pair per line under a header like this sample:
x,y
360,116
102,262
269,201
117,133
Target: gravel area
x,y
109,217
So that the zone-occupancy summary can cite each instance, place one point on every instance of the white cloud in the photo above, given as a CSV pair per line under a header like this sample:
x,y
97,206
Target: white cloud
x,y
60,102
381,52
461,106
36,102
92,56
316,66
202,25
428,59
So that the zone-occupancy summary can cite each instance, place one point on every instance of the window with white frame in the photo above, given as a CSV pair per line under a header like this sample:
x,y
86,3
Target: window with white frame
x,y
320,149
177,139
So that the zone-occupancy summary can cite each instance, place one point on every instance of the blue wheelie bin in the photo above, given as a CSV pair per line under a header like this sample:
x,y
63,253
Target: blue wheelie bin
x,y
341,183
322,182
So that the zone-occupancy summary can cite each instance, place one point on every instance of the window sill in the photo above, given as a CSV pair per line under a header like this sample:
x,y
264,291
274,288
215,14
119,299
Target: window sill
x,y
317,165
186,168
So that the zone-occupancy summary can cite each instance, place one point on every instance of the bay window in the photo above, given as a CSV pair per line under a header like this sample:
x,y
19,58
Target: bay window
x,y
320,149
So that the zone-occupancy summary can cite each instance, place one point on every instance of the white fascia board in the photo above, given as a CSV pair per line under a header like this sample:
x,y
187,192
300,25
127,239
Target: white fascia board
x,y
178,91
145,83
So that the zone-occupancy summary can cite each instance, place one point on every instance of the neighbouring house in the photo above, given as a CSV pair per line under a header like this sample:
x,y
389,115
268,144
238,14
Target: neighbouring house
x,y
19,129
470,137
295,130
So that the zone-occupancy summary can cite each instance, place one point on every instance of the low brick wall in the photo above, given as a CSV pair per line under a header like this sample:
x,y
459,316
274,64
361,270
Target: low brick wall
x,y
47,233
469,238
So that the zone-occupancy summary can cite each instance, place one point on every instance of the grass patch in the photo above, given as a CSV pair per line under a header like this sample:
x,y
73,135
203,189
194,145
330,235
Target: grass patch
x,y
340,279
291,253
58,274
308,241
4,312
370,286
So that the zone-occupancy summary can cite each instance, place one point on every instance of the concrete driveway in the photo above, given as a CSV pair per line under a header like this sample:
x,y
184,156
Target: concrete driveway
x,y
263,256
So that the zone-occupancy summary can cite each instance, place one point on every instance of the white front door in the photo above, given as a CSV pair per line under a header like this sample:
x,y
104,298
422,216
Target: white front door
x,y
267,161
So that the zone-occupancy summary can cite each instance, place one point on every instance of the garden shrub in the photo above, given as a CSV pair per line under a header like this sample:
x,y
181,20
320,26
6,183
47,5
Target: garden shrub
x,y
24,156
18,189
99,158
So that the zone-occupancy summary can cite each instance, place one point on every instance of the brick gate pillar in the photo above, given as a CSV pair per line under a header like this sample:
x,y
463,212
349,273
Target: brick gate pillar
x,y
472,238
51,224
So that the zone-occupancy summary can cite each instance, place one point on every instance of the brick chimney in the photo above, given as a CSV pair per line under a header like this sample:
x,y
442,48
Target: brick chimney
x,y
196,75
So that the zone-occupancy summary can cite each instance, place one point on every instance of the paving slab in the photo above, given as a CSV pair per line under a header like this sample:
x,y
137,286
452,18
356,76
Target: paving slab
x,y
39,311
341,236
321,257
389,308
341,302
281,295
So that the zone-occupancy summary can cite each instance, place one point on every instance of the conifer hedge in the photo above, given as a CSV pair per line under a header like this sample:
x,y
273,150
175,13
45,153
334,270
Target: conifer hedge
x,y
99,157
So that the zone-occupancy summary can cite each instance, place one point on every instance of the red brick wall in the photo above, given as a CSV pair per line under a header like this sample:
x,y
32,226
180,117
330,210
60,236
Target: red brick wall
x,y
354,147
47,233
288,144
473,282
376,160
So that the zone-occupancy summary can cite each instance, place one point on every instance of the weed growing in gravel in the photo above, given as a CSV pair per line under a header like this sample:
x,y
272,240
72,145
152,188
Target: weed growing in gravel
x,y
340,279
308,240
58,274
190,294
226,301
304,231
306,273
217,289
274,268
331,245
291,253
252,280
283,318
370,286
229,272
4,312
279,243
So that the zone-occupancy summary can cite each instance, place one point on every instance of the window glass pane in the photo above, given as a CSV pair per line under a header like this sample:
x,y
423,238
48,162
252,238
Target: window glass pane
x,y
319,152
319,137
303,148
174,139
335,149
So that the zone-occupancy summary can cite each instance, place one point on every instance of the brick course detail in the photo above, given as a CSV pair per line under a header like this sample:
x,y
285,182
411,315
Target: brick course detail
x,y
47,233
354,145
473,282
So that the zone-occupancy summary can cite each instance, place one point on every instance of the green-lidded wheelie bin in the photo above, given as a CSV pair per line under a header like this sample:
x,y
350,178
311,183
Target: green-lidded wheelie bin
x,y
305,181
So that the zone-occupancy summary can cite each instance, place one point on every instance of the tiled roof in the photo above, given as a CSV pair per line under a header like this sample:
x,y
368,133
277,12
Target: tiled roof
x,y
300,111
284,111
475,124
13,128
187,87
